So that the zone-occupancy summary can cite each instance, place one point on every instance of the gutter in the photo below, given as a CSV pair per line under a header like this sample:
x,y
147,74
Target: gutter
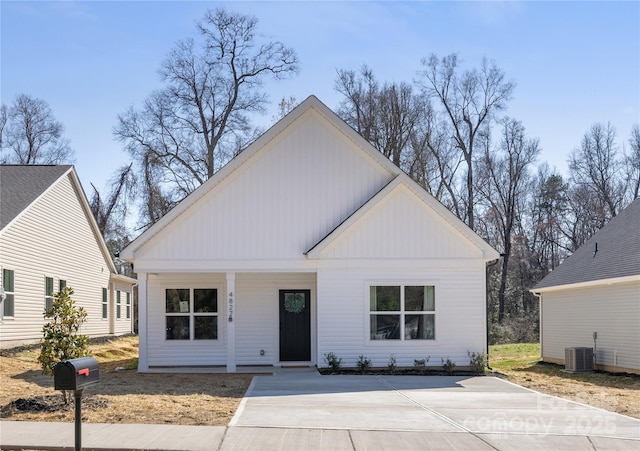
x,y
486,288
539,296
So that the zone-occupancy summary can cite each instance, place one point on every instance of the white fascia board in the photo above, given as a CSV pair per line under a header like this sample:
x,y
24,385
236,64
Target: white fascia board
x,y
224,266
298,265
123,278
591,283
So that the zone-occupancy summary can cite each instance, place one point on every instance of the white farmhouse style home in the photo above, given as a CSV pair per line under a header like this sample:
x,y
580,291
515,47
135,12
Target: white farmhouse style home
x,y
592,300
49,240
309,242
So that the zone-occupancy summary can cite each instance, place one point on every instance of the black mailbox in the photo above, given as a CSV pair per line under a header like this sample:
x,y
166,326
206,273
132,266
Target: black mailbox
x,y
76,374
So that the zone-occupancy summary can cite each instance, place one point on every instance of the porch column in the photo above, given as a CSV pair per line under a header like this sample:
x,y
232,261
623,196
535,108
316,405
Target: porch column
x,y
143,364
231,329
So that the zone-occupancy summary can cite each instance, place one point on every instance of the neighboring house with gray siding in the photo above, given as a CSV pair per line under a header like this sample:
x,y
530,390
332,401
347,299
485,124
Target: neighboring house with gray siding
x,y
597,289
48,240
309,242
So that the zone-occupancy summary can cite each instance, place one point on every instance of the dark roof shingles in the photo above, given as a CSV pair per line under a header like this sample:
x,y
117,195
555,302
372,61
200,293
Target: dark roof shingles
x,y
618,254
20,185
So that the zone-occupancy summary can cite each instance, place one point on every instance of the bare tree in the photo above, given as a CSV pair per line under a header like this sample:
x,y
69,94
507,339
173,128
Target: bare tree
x,y
387,116
503,182
596,168
585,216
110,211
284,107
550,205
436,161
470,101
189,129
632,165
30,134
4,117
360,106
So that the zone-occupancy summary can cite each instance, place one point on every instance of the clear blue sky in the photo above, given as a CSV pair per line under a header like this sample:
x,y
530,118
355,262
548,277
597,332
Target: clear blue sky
x,y
575,63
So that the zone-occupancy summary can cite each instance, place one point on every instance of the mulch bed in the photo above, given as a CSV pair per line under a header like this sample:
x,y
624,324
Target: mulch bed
x,y
397,372
49,403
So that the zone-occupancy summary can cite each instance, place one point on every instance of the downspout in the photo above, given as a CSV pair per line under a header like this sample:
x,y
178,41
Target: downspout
x,y
133,311
3,296
486,300
539,296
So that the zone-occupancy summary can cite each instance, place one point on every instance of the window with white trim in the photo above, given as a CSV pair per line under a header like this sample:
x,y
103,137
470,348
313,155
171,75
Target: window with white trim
x,y
48,292
62,284
118,304
8,287
191,313
402,312
105,304
128,305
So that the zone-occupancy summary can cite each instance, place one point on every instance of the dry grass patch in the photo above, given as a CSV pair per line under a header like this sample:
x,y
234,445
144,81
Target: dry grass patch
x,y
521,364
126,396
123,395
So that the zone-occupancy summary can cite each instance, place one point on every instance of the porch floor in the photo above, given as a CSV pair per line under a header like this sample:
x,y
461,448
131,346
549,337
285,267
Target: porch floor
x,y
244,369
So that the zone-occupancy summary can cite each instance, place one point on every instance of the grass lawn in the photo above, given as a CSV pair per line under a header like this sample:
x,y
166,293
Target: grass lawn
x,y
506,358
521,364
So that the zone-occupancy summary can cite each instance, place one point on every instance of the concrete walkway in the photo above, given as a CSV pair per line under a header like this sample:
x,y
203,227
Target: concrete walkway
x,y
301,410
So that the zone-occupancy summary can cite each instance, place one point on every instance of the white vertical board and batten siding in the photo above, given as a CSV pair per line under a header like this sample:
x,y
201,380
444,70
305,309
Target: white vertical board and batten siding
x,y
281,202
53,238
570,316
400,226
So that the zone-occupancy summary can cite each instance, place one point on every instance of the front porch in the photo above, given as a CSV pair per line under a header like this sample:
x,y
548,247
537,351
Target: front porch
x,y
256,322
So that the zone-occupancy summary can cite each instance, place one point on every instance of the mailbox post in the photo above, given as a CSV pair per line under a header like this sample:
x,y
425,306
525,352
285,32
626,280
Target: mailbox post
x,y
75,375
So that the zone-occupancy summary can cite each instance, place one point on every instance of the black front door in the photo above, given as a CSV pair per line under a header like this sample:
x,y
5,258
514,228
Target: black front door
x,y
295,325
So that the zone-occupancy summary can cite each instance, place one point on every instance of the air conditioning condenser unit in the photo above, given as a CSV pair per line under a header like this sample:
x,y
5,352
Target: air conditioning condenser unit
x,y
578,360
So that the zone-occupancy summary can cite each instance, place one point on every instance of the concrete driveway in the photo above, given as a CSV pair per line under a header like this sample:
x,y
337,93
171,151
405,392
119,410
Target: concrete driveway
x,y
299,409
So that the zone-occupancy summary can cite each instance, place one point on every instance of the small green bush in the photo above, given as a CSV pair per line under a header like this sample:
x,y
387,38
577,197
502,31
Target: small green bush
x,y
421,364
392,365
447,365
477,361
61,338
363,364
333,361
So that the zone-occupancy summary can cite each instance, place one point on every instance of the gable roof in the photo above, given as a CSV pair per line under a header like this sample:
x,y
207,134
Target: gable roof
x,y
311,103
21,185
394,186
612,252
